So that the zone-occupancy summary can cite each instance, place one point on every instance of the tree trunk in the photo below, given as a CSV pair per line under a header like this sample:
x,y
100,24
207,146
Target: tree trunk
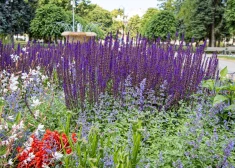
x,y
213,34
12,38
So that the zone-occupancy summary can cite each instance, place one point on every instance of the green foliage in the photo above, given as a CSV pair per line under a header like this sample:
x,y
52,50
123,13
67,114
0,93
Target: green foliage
x,y
65,4
160,25
91,27
168,5
101,17
202,19
134,25
84,7
117,12
116,26
230,16
184,17
15,16
146,17
44,25
224,92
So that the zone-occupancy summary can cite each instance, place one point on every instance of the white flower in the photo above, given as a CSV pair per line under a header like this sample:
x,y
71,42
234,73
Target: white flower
x,y
5,142
21,125
36,103
57,155
44,165
10,117
24,76
34,72
44,77
14,57
24,49
30,157
13,87
36,114
13,137
10,162
39,129
13,82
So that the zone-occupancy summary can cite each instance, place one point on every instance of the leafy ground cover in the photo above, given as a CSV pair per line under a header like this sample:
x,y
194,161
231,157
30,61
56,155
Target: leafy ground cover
x,y
107,105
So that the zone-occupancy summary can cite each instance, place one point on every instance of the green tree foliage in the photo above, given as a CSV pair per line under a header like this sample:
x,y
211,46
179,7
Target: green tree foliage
x,y
160,25
84,7
145,19
65,4
116,26
15,16
202,19
117,12
184,16
134,25
167,5
230,16
101,17
45,24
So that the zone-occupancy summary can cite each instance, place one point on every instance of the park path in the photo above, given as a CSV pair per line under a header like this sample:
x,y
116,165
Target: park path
x,y
225,62
229,63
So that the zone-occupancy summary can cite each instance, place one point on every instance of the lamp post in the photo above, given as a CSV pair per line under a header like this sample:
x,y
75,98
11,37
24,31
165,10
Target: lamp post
x,y
123,19
73,6
12,35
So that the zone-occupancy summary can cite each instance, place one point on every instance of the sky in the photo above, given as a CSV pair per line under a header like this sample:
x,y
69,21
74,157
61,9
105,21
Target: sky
x,y
129,5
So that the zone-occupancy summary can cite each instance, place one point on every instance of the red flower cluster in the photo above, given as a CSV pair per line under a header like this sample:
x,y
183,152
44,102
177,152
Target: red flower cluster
x,y
39,153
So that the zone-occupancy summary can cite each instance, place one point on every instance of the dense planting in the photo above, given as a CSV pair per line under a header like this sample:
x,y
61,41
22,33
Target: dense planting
x,y
86,70
113,106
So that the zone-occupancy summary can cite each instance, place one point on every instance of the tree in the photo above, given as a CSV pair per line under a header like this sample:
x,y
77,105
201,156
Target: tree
x,y
84,8
230,16
160,25
117,12
15,17
65,4
184,16
146,17
134,25
116,26
167,5
45,24
101,17
206,20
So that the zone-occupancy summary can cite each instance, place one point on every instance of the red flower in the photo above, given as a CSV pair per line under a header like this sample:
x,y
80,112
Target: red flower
x,y
40,152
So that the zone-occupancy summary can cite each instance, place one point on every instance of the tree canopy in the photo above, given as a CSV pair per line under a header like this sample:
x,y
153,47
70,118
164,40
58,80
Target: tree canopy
x,y
160,25
45,24
134,25
15,16
101,17
146,17
84,7
230,16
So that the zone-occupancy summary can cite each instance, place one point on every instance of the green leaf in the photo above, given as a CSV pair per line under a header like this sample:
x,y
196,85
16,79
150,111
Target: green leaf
x,y
219,99
232,87
231,107
224,72
218,89
208,84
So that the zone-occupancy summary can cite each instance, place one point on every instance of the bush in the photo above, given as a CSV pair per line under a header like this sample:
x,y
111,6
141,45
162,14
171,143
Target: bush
x,y
160,25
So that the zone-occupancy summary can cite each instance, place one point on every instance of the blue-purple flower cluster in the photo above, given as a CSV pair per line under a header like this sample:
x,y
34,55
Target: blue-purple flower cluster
x,y
88,69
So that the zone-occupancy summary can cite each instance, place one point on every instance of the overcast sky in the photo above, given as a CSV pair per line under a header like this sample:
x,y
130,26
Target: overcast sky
x,y
127,4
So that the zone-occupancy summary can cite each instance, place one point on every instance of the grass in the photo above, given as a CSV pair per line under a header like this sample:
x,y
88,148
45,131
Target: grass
x,y
227,57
